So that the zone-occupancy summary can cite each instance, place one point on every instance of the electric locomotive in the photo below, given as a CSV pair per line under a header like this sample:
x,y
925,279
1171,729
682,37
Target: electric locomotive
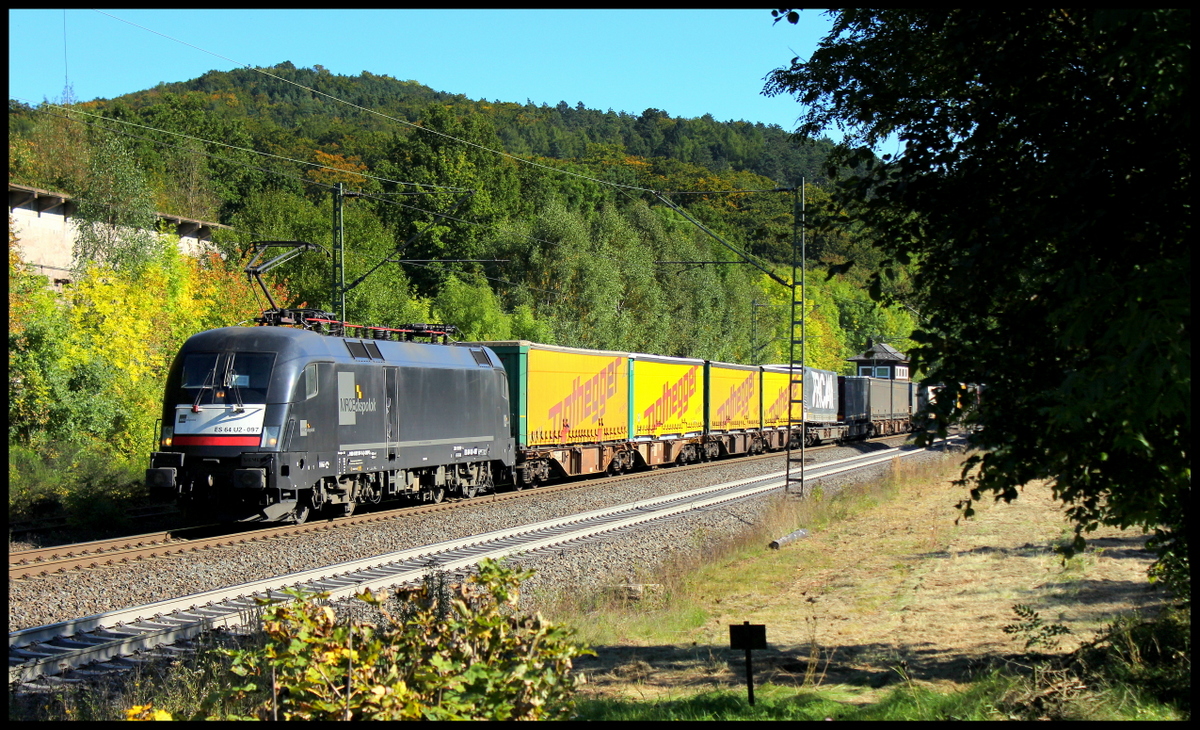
x,y
273,423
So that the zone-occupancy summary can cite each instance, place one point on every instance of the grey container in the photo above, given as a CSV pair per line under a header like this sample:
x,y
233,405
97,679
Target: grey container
x,y
890,399
853,398
821,395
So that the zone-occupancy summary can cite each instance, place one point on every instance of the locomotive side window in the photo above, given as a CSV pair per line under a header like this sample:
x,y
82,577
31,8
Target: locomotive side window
x,y
310,380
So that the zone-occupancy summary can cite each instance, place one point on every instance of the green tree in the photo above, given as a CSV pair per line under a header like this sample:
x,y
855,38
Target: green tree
x,y
1043,188
115,220
474,309
448,152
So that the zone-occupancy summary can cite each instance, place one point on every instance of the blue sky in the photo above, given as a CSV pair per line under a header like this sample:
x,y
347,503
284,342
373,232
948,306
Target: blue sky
x,y
686,62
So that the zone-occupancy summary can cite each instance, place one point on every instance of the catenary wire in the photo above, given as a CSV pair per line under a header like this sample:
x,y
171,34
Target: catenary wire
x,y
387,116
246,149
618,186
307,181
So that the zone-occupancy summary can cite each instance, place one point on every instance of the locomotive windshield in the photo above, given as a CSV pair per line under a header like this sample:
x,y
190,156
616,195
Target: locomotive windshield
x,y
220,378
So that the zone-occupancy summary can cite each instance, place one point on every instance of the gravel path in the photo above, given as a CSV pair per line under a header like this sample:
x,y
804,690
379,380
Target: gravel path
x,y
621,556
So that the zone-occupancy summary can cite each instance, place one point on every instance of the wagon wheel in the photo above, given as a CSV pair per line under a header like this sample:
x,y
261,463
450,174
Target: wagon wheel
x,y
437,494
470,490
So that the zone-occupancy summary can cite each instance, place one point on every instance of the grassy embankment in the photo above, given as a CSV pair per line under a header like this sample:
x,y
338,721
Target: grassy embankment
x,y
891,610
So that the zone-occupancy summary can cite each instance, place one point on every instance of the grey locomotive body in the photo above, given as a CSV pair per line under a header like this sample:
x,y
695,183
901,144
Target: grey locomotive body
x,y
270,423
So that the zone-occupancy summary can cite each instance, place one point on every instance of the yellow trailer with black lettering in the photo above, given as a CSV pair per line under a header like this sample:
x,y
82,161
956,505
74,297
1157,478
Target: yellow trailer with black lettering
x,y
569,408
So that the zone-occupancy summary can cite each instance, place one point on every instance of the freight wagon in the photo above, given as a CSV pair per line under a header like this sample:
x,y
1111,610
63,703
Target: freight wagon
x,y
577,412
875,406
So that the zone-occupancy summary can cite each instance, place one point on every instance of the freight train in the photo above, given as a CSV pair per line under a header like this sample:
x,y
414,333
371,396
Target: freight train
x,y
274,423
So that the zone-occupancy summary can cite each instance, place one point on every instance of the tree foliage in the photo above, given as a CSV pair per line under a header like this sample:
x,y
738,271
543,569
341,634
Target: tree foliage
x,y
115,221
1043,187
86,368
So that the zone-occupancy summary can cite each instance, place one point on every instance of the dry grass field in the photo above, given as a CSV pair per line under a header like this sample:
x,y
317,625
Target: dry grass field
x,y
888,588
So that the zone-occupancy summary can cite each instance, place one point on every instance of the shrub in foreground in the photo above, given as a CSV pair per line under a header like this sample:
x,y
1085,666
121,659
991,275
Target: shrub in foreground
x,y
475,659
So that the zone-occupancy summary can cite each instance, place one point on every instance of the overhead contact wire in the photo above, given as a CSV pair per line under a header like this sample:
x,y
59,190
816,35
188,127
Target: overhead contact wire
x,y
388,116
252,151
307,181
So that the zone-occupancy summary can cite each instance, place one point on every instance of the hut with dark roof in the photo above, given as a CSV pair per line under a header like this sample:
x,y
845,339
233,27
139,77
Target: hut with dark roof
x,y
881,360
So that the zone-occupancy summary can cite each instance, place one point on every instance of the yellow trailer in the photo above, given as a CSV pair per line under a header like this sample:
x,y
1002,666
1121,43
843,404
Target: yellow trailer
x,y
565,395
733,397
668,396
775,399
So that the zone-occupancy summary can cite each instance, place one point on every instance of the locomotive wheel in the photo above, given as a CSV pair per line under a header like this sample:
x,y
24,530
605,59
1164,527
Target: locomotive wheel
x,y
301,513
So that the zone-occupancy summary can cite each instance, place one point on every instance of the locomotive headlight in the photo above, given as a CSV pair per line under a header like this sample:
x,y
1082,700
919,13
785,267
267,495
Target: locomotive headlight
x,y
270,437
167,433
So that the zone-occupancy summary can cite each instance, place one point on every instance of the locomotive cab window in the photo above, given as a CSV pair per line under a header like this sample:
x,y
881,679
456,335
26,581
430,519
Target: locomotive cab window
x,y
251,373
219,378
199,370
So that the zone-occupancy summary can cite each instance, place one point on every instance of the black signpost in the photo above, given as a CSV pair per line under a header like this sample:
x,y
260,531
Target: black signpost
x,y
748,636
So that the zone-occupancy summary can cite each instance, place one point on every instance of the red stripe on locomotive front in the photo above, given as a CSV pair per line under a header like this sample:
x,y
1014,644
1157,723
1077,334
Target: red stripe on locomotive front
x,y
217,440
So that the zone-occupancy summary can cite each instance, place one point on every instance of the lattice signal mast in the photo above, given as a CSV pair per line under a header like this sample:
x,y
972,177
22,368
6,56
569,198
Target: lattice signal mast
x,y
796,406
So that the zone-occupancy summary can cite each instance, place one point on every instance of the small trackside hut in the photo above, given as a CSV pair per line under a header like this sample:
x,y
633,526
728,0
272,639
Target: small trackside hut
x,y
880,400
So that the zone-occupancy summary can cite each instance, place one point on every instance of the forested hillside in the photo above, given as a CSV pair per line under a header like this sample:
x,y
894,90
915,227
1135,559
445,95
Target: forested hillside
x,y
556,206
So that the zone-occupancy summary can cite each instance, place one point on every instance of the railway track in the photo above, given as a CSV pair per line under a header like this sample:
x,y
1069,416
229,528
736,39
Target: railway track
x,y
107,637
60,522
39,562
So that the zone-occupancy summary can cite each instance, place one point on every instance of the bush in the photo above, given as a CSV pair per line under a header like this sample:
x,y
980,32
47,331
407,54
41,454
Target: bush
x,y
35,486
91,483
1134,669
1154,656
478,660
